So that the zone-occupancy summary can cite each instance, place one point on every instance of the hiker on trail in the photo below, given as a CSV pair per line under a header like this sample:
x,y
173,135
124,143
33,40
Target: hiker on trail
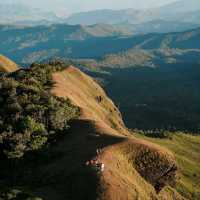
x,y
98,151
87,163
102,167
96,163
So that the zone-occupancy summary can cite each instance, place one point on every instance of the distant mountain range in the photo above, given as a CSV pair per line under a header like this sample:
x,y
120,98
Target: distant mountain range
x,y
178,7
29,44
51,113
110,17
157,26
181,11
24,15
32,43
179,16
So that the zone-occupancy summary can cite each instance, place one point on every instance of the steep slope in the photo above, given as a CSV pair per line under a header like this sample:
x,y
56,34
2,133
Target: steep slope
x,y
186,148
133,168
7,65
89,96
148,86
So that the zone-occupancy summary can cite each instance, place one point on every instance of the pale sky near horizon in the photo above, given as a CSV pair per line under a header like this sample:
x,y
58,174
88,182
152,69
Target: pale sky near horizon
x,y
72,6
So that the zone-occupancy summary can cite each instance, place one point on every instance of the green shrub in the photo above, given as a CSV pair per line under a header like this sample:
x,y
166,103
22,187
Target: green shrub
x,y
37,142
29,114
156,133
29,124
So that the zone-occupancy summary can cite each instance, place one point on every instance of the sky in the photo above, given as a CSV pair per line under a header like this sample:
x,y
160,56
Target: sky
x,y
72,6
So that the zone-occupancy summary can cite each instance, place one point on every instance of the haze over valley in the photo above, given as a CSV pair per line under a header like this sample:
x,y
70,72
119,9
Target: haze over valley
x,y
100,100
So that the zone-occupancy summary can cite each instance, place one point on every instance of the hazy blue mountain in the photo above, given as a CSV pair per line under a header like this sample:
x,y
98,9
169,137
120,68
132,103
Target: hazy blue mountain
x,y
161,26
182,11
107,30
21,14
189,17
150,58
29,44
110,16
34,43
180,6
178,16
28,23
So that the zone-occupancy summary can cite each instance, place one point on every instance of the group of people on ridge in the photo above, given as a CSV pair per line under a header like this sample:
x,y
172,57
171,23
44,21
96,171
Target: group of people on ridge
x,y
96,162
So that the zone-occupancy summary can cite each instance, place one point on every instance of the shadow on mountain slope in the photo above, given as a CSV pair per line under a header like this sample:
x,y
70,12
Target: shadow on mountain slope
x,y
134,168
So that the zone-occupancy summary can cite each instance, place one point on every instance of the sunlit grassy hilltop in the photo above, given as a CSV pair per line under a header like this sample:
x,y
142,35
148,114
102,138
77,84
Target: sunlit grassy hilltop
x,y
186,149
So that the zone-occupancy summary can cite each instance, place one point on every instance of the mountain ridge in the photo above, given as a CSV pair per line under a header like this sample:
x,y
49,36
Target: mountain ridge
x,y
99,126
112,129
41,43
6,65
174,11
12,13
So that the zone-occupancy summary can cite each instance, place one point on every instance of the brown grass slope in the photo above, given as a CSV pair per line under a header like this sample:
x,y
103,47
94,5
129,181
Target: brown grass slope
x,y
6,65
134,168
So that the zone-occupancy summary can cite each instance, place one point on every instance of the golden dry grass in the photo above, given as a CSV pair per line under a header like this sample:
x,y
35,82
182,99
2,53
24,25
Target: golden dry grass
x,y
186,149
6,65
84,92
133,166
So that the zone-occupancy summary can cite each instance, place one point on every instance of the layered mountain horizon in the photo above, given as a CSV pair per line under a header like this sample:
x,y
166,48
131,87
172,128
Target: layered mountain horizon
x,y
41,43
180,11
100,101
